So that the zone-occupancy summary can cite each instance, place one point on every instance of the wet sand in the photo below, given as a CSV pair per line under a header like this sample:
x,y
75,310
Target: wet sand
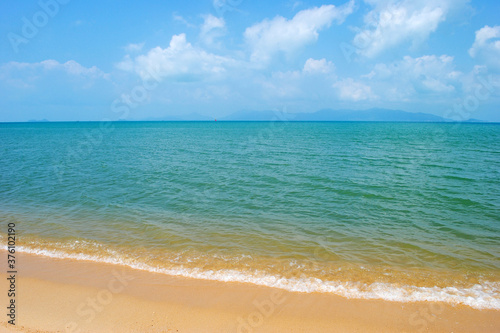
x,y
62,295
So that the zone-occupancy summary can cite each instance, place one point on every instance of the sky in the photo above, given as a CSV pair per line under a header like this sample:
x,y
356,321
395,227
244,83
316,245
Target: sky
x,y
66,60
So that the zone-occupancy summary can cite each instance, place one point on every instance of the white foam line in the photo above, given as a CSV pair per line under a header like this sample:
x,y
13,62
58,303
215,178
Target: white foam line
x,y
479,296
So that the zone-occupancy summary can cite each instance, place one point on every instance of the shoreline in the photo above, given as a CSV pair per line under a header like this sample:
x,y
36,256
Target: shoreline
x,y
378,283
79,296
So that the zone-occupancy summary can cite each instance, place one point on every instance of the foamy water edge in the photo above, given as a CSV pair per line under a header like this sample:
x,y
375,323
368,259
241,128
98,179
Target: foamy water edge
x,y
479,296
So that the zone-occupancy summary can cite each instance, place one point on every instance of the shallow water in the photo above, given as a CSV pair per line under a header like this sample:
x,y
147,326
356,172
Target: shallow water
x,y
399,211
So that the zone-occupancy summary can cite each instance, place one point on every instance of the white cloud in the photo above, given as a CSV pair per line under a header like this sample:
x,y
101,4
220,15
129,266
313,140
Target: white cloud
x,y
393,22
180,61
181,19
407,80
70,67
313,81
74,68
281,35
351,90
296,4
318,66
411,78
134,47
212,28
281,85
428,73
487,46
211,22
30,75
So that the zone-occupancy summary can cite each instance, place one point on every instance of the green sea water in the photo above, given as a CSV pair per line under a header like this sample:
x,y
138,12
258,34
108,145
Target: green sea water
x,y
397,211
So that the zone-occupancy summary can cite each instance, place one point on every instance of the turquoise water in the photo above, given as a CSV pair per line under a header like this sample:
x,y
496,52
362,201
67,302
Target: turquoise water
x,y
398,211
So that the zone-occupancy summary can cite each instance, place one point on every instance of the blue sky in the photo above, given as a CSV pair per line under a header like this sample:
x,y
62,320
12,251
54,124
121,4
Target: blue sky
x,y
75,60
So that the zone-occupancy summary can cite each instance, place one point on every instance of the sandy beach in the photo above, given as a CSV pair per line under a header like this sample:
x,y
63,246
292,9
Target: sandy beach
x,y
250,166
60,295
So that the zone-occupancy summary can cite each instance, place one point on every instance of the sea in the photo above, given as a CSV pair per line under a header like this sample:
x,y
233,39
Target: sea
x,y
374,210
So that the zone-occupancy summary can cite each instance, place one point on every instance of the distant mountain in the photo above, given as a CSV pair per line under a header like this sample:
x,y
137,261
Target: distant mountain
x,y
368,115
337,115
472,120
38,121
321,115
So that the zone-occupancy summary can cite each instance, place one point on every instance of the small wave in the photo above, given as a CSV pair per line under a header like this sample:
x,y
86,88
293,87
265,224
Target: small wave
x,y
479,296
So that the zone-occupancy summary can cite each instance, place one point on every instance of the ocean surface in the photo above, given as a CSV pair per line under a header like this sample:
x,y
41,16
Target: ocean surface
x,y
394,211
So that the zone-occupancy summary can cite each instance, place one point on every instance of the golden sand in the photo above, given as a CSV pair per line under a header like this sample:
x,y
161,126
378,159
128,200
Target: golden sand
x,y
61,295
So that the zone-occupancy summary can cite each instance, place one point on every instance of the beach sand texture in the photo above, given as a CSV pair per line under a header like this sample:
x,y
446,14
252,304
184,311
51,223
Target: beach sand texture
x,y
61,295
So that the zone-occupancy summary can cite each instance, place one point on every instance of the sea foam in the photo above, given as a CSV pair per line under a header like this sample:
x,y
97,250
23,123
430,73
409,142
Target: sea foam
x,y
485,295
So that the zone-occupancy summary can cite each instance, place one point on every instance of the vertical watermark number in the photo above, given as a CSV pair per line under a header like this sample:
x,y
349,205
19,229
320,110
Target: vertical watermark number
x,y
11,272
